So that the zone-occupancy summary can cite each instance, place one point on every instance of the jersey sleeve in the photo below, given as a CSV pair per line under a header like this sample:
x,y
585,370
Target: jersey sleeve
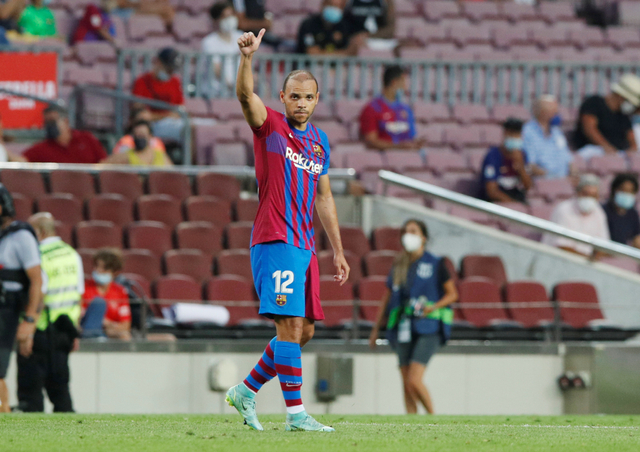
x,y
28,251
265,129
490,168
412,123
368,120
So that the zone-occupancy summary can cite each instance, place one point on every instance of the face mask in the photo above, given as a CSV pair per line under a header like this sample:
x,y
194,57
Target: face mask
x,y
163,75
627,108
586,204
332,14
101,279
229,24
513,144
411,242
52,130
555,121
140,143
624,200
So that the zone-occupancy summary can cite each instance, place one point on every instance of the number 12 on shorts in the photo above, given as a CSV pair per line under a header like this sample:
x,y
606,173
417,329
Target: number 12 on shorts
x,y
283,280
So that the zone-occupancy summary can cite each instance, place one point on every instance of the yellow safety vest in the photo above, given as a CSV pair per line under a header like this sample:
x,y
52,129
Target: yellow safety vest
x,y
60,263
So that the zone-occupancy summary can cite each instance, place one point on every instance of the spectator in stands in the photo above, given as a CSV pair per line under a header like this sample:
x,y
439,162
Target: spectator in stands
x,y
504,176
622,216
375,17
387,122
416,311
5,155
160,84
38,20
581,213
96,24
63,144
604,124
252,16
142,152
106,303
10,12
544,142
124,144
223,44
329,32
161,8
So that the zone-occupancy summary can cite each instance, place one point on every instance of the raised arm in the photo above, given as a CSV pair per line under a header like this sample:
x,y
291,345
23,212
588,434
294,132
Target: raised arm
x,y
326,207
252,107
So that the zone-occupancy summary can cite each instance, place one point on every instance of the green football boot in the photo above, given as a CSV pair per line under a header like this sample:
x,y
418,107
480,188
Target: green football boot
x,y
240,398
303,422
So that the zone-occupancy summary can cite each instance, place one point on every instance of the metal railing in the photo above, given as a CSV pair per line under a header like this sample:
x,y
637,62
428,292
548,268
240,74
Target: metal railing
x,y
431,81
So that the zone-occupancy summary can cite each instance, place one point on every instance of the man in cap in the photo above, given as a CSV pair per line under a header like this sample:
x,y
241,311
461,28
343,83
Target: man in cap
x,y
21,284
161,84
604,124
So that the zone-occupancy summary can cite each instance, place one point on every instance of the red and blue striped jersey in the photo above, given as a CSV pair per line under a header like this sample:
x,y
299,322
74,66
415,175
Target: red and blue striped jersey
x,y
289,164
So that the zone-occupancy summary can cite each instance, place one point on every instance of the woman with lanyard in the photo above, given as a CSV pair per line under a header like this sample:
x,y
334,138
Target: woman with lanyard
x,y
416,310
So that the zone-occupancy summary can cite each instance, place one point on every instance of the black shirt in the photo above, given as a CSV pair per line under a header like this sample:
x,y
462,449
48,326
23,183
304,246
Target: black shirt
x,y
316,32
252,9
358,12
614,126
622,228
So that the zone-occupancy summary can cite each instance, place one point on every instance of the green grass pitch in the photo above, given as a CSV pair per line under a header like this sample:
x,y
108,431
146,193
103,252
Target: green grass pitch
x,y
138,433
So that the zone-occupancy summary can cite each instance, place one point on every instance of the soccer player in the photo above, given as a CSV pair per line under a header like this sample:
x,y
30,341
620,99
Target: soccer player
x,y
292,160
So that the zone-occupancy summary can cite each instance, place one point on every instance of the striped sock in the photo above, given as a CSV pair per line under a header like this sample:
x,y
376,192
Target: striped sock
x,y
264,371
289,369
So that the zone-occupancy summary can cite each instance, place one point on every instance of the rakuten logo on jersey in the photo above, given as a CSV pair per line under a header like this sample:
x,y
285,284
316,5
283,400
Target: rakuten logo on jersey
x,y
302,162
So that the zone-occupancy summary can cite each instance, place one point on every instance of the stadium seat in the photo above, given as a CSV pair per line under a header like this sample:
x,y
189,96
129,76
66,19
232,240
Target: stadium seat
x,y
337,302
172,289
347,110
501,112
98,234
428,112
370,291
142,262
199,235
231,154
326,267
478,289
190,262
79,184
111,207
139,283
243,309
354,240
26,182
140,26
150,235
580,293
219,185
443,162
210,209
246,209
163,208
529,292
239,235
128,185
554,189
23,205
608,164
486,266
400,161
434,10
451,268
173,184
234,262
386,238
86,255
367,160
470,113
379,263
64,207
64,231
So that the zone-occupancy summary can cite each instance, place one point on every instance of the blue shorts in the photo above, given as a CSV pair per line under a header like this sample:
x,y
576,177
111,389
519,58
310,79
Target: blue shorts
x,y
287,280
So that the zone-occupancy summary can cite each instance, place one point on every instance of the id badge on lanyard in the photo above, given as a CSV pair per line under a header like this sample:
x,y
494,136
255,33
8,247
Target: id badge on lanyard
x,y
404,330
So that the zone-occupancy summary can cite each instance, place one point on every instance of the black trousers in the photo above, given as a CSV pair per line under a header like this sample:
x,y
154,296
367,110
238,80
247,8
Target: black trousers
x,y
47,368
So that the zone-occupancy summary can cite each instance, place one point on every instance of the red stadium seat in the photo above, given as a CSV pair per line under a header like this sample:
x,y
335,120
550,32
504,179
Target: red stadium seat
x,y
23,205
435,10
554,189
143,263
453,273
169,183
386,238
379,263
150,235
111,207
326,267
172,289
234,262
163,208
371,291
239,235
65,232
193,263
199,235
529,292
64,207
79,184
87,259
477,289
139,283
208,208
219,185
567,293
402,160
26,182
128,185
337,301
239,291
354,240
98,234
487,266
246,209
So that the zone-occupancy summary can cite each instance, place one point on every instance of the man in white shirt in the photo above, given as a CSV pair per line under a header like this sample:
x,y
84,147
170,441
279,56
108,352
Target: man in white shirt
x,y
581,213
223,45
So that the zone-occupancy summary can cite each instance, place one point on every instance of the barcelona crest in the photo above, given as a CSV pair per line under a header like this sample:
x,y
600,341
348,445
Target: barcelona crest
x,y
317,150
281,300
